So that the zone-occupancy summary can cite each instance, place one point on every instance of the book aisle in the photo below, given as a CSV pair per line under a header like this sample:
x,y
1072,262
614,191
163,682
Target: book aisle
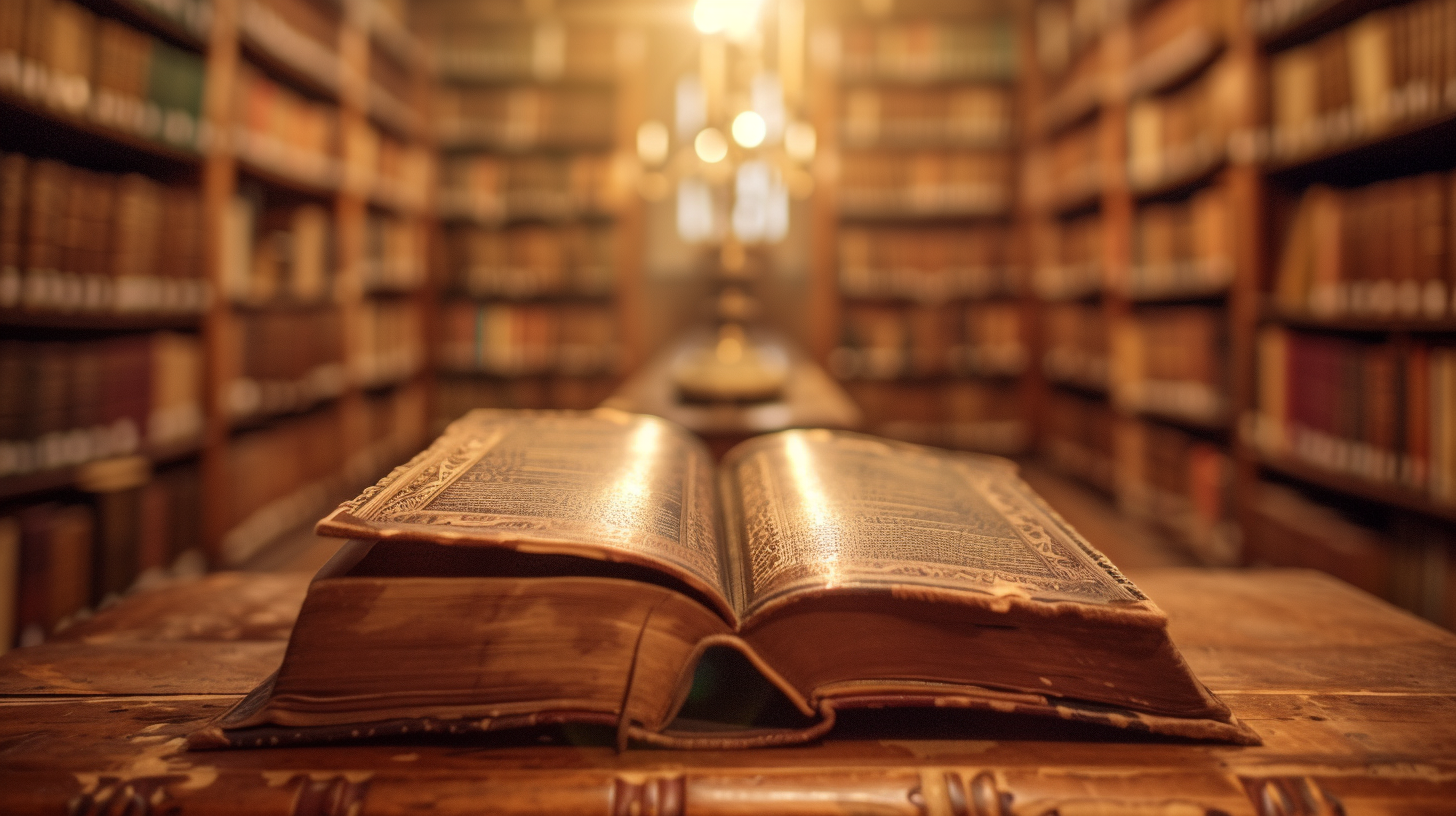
x,y
777,354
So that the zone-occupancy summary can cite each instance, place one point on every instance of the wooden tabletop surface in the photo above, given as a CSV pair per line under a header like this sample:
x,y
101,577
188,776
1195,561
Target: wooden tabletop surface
x,y
1355,701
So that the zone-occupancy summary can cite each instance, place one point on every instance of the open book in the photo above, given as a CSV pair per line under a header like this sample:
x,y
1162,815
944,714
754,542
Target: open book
x,y
565,567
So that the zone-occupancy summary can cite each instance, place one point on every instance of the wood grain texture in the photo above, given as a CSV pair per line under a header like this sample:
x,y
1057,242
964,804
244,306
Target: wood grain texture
x,y
1356,702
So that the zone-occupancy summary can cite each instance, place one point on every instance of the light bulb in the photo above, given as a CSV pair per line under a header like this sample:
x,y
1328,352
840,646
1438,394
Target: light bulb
x,y
749,129
710,145
652,142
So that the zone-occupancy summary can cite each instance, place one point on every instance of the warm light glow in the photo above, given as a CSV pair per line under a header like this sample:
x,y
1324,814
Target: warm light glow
x,y
814,502
749,129
800,141
733,16
652,142
710,145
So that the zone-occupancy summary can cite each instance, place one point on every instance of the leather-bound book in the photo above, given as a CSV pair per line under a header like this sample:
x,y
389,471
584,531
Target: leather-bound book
x,y
563,567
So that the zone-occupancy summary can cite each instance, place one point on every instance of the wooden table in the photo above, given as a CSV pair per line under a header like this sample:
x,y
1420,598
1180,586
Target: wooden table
x,y
811,398
1355,700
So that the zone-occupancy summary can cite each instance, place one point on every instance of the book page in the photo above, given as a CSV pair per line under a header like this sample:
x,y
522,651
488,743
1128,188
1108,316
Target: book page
x,y
816,510
601,484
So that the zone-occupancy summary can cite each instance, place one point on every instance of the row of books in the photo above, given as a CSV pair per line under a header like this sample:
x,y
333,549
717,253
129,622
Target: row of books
x,y
1176,137
392,88
532,260
971,115
1079,437
1075,345
278,130
1383,250
75,240
1402,561
1171,362
65,403
883,342
394,254
515,339
274,253
1069,255
61,560
1382,411
389,172
289,361
457,395
1387,69
1173,37
924,183
61,55
975,415
1062,30
301,34
194,16
524,117
287,474
390,343
926,264
545,52
1182,484
1073,173
493,189
928,51
1182,248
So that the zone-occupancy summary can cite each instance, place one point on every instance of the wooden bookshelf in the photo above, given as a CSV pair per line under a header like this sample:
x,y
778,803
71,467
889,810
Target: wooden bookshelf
x,y
917,303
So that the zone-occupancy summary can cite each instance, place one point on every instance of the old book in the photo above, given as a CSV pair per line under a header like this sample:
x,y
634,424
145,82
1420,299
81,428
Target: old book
x,y
560,567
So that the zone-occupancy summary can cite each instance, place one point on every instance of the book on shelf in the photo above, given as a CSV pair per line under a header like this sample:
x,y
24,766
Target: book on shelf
x,y
1076,345
301,34
456,395
1171,361
990,341
925,264
1172,39
1062,32
532,260
390,343
61,55
394,259
883,341
1182,248
493,189
77,241
1384,250
957,116
277,253
602,556
1180,483
1079,438
64,403
1380,411
928,50
525,117
288,361
1177,137
1075,165
924,183
1389,69
1067,254
546,52
508,339
279,131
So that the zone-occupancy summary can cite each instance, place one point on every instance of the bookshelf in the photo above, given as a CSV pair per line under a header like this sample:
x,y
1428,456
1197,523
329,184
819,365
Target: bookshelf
x,y
920,311
536,116
1135,254
213,284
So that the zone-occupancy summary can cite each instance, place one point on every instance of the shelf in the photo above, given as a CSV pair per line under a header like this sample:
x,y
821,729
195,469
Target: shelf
x,y
282,305
1364,325
461,215
608,370
1185,421
291,69
1193,292
900,214
954,299
1070,107
1361,488
259,419
256,163
1175,62
98,322
1408,145
154,21
28,484
1183,177
74,137
1097,389
1317,17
